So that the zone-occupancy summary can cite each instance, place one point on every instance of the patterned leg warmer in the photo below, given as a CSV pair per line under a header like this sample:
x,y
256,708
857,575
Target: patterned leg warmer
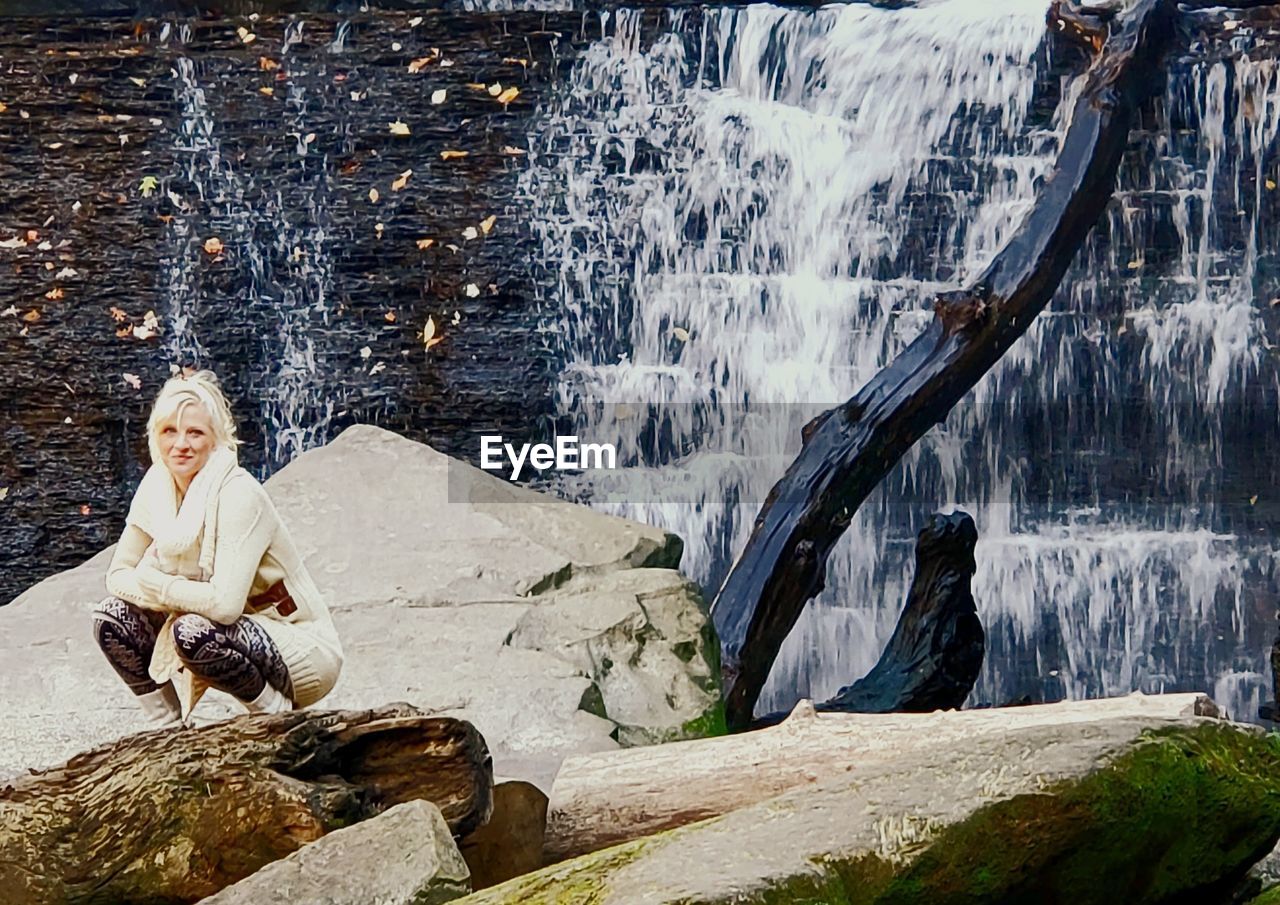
x,y
238,658
127,635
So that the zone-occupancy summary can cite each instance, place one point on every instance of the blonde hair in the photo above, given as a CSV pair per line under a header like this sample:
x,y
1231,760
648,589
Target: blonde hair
x,y
191,389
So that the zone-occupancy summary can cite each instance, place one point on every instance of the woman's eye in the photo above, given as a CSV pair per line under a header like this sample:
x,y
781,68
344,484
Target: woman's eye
x,y
196,432
169,430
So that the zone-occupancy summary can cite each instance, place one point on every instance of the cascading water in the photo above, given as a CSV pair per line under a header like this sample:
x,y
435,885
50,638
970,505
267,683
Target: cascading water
x,y
287,278
742,222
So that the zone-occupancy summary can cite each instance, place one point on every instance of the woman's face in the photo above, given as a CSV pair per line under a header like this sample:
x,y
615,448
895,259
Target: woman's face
x,y
186,440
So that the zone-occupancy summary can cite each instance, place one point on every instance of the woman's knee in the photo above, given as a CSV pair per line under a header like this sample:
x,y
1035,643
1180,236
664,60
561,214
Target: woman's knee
x,y
192,633
112,608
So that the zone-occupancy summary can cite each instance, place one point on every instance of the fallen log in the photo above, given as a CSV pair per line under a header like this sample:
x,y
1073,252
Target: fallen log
x,y
599,800
935,653
173,816
850,449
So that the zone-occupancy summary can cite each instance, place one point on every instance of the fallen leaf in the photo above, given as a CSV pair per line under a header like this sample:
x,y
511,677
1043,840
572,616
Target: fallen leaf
x,y
4,493
373,195
472,290
437,97
33,235
453,155
357,95
477,86
117,314
124,332
378,368
470,233
266,64
213,246
24,114
424,244
1253,499
15,242
311,137
415,21
54,294
85,510
46,245
1271,183
137,81
401,181
31,316
486,225
495,89
378,228
48,265
151,322
246,36
516,60
133,380
365,352
429,337
54,146
508,96
397,46
3,107
398,128
420,63
11,311
147,186
389,316
446,64
66,273
680,333
143,333
269,92
457,318
513,152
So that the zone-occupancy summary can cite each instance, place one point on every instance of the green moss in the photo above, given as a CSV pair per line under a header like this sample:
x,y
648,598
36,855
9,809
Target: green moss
x,y
1270,897
709,725
581,881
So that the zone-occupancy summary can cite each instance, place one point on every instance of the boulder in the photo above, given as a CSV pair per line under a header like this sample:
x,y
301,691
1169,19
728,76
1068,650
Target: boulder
x,y
510,844
404,856
1120,809
432,568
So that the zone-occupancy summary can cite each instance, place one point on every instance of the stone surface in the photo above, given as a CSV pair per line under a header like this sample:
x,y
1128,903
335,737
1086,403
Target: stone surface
x,y
510,844
1128,809
404,856
429,566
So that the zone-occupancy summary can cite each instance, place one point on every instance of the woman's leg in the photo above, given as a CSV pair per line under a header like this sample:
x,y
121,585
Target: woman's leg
x,y
127,635
239,658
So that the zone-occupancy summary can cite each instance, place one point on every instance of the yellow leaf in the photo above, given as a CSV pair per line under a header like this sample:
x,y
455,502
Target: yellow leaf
x,y
431,342
470,233
31,316
420,63
513,152
137,81
398,128
680,333
453,155
1271,183
429,337
508,96
390,317
4,493
269,92
3,107
1253,499
266,64
495,89
477,86
486,225
147,186
246,36
373,195
401,181
54,294
213,246
516,60
424,244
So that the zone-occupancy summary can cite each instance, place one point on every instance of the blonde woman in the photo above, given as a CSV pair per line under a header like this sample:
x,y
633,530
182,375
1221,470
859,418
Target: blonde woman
x,y
207,588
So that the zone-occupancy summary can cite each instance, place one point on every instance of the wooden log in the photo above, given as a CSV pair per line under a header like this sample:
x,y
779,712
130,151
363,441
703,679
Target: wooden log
x,y
600,800
851,448
935,653
173,816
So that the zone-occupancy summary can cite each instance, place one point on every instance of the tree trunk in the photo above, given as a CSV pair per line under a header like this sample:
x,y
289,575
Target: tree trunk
x,y
849,449
935,653
600,800
173,816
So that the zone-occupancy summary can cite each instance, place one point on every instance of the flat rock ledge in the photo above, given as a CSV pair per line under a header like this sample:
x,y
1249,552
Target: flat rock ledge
x,y
1125,808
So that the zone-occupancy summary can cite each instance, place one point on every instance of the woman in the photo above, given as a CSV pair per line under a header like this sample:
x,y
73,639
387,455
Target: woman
x,y
207,588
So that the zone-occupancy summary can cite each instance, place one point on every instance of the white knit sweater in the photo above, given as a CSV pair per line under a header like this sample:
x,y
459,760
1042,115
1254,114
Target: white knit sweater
x,y
251,551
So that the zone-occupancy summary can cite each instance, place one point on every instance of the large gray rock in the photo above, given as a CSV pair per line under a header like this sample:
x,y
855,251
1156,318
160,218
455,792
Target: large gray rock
x,y
1121,809
433,570
404,856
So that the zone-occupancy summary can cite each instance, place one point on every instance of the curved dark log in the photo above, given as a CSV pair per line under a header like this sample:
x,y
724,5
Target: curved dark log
x,y
852,449
175,815
935,653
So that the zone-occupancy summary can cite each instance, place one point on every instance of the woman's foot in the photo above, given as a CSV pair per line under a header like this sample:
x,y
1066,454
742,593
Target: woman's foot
x,y
269,700
160,708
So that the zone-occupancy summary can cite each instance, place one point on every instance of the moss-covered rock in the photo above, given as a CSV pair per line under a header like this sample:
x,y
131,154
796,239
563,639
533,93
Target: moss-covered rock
x,y
1119,810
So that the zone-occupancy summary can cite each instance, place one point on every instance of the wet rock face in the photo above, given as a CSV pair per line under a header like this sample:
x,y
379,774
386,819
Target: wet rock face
x,y
126,146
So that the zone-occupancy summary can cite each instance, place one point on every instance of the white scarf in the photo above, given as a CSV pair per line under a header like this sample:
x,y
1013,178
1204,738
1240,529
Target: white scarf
x,y
184,535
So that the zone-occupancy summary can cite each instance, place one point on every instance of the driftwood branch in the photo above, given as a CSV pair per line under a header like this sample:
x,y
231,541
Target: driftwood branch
x,y
852,448
173,816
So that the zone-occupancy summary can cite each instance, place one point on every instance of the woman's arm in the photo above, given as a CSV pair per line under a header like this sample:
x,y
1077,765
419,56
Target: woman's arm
x,y
245,529
122,578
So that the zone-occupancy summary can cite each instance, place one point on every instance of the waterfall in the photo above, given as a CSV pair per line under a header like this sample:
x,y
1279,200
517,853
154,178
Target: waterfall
x,y
745,218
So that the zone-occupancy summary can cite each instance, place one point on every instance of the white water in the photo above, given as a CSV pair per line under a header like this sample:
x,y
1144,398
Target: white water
x,y
788,189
